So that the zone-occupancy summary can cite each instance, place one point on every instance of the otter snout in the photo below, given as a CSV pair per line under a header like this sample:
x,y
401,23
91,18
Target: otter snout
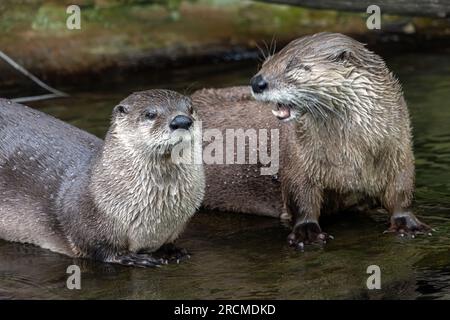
x,y
258,83
181,122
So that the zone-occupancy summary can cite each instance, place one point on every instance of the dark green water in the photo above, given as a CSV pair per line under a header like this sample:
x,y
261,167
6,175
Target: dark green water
x,y
237,256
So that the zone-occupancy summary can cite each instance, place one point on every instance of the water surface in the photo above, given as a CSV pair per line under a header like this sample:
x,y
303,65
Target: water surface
x,y
238,256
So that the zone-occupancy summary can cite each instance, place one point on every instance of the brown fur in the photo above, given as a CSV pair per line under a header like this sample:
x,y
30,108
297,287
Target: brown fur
x,y
237,188
348,134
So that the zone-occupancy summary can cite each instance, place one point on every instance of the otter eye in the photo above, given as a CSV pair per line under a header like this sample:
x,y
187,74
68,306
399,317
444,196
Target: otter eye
x,y
150,115
295,64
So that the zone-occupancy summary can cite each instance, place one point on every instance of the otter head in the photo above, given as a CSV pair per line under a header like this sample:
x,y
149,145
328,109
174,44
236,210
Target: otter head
x,y
153,121
323,75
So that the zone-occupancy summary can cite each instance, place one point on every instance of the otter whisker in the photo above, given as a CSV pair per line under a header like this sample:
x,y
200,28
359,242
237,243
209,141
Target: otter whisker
x,y
317,106
323,94
315,91
262,53
314,111
328,108
315,99
269,54
273,45
331,97
336,112
322,84
332,110
314,104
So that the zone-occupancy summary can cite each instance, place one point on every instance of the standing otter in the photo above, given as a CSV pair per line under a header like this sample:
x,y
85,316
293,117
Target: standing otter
x,y
115,201
350,135
345,137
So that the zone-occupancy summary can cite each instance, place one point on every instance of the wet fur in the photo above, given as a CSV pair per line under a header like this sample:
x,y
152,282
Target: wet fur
x,y
351,127
349,143
237,187
68,191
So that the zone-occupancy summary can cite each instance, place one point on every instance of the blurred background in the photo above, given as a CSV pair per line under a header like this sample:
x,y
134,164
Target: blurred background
x,y
130,45
124,35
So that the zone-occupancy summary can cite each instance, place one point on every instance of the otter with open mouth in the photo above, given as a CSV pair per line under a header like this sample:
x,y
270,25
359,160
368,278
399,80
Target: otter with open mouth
x,y
117,200
283,112
348,131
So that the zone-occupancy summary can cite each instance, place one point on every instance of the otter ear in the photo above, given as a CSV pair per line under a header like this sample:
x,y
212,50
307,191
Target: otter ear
x,y
120,110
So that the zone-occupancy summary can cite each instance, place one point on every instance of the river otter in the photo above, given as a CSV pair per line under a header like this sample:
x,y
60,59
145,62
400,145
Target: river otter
x,y
115,201
345,137
351,131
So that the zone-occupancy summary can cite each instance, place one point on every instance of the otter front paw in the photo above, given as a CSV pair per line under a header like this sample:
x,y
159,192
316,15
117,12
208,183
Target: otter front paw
x,y
408,224
139,260
307,233
172,253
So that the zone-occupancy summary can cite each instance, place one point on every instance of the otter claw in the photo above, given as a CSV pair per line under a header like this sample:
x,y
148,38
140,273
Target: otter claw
x,y
408,225
171,253
307,233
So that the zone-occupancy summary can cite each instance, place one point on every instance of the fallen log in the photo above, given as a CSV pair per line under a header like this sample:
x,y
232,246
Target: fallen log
x,y
428,8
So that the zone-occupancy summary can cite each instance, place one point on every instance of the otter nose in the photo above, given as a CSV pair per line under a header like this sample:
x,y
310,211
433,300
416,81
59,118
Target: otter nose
x,y
180,122
258,84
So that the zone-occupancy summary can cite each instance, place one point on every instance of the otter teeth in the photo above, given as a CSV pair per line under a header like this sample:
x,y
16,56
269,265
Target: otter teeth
x,y
282,112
